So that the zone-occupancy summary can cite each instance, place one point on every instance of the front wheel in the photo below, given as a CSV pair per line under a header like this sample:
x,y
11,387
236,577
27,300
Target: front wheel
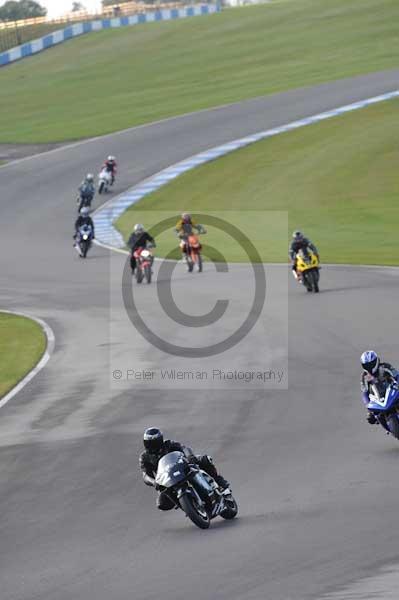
x,y
314,281
190,264
199,263
231,509
101,187
84,247
197,515
147,273
307,282
139,274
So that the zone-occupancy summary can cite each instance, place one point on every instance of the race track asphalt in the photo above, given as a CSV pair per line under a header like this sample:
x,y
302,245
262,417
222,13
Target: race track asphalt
x,y
317,487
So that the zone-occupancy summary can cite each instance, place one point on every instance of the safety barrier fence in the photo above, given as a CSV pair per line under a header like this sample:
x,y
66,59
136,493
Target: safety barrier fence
x,y
63,35
16,33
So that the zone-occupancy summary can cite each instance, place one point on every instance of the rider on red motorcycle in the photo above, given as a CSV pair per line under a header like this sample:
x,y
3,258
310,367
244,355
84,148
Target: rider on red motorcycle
x,y
139,239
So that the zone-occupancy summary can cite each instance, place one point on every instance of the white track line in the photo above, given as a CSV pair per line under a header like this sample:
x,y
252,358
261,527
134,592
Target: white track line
x,y
162,178
42,362
108,213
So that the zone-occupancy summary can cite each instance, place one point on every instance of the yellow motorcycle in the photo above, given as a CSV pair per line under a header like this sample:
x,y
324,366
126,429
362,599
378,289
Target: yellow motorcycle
x,y
308,269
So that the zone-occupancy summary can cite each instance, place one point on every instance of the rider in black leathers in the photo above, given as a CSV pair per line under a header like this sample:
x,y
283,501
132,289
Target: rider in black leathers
x,y
156,447
139,239
299,242
84,219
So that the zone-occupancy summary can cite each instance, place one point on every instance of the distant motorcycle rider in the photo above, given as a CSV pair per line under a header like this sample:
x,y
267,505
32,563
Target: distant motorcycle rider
x,y
84,218
86,191
381,374
139,239
184,227
111,167
299,242
156,447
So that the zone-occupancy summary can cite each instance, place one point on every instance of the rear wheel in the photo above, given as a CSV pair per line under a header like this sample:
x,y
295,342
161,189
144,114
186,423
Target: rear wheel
x,y
231,509
197,515
393,425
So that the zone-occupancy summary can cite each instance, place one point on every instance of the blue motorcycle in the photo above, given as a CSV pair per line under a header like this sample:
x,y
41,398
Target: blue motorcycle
x,y
385,407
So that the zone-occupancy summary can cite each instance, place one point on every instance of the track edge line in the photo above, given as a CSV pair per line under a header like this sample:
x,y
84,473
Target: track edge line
x,y
50,339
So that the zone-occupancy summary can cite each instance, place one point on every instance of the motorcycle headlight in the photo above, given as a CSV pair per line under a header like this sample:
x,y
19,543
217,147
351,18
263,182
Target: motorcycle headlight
x,y
163,479
85,236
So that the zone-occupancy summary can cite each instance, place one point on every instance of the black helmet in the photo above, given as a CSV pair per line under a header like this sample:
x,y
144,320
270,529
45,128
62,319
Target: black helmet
x,y
297,235
153,439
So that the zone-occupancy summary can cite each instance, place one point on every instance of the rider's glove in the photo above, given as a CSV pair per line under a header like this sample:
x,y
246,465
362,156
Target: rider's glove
x,y
371,418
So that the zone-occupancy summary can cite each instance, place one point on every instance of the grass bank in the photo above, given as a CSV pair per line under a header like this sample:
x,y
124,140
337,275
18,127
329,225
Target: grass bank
x,y
22,343
110,80
336,180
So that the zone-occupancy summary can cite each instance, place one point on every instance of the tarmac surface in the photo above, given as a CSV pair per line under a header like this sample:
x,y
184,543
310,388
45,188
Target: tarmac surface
x,y
317,487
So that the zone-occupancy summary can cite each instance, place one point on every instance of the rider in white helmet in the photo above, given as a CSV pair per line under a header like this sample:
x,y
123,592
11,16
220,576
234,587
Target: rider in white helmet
x,y
86,191
110,166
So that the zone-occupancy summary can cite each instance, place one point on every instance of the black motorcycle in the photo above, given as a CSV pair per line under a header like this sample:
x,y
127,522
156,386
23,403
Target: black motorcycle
x,y
84,200
83,240
193,490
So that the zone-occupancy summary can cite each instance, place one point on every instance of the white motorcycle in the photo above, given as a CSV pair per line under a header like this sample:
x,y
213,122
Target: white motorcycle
x,y
105,180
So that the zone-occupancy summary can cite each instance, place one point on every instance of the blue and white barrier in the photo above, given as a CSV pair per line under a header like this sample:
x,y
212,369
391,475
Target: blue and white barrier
x,y
63,35
107,214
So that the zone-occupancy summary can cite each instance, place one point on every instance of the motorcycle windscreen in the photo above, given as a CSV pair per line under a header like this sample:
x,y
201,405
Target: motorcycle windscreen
x,y
172,468
386,402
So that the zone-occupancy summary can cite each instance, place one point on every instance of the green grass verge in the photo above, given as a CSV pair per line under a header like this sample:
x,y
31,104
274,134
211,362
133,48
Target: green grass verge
x,y
337,180
22,343
106,81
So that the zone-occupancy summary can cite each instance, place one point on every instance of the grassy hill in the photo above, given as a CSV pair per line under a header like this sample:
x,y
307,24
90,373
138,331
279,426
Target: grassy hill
x,y
336,180
111,80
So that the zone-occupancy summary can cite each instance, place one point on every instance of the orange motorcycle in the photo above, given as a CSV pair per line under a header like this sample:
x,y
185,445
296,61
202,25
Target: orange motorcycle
x,y
191,248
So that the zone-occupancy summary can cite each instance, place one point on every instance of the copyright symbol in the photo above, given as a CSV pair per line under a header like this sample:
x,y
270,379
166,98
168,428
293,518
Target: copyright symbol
x,y
171,310
117,374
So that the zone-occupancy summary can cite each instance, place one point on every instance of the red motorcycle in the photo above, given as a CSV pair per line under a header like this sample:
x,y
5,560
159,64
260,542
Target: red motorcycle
x,y
144,260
